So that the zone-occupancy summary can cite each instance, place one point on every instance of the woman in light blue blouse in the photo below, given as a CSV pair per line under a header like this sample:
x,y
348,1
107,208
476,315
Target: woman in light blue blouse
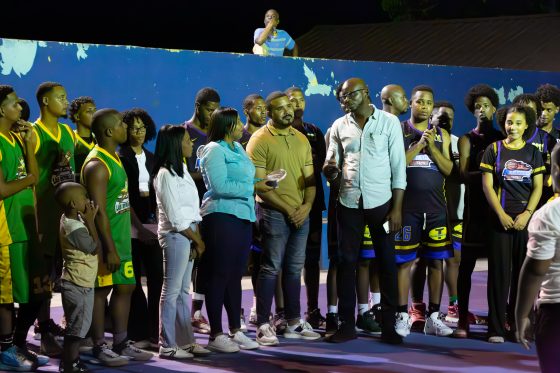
x,y
227,210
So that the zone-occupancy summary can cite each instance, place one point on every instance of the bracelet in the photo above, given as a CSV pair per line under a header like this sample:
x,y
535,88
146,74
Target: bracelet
x,y
529,211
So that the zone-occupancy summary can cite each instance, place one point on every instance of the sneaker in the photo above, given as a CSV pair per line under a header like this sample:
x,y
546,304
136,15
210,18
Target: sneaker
x,y
496,339
402,324
280,323
315,319
86,345
200,324
243,325
417,316
108,357
50,346
302,330
253,317
174,353
223,344
196,349
78,366
332,324
127,349
15,358
57,330
344,333
435,326
244,342
367,323
266,335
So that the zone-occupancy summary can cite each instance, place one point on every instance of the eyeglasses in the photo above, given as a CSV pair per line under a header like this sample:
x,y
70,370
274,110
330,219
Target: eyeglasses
x,y
351,95
138,130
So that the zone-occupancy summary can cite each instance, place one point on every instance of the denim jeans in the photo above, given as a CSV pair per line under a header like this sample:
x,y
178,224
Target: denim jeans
x,y
283,249
175,327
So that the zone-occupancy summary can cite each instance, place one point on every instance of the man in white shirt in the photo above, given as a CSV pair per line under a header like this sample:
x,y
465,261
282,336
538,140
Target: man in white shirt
x,y
541,270
366,145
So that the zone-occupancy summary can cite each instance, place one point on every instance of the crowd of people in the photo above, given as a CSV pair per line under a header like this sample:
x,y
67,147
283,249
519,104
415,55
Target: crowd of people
x,y
92,211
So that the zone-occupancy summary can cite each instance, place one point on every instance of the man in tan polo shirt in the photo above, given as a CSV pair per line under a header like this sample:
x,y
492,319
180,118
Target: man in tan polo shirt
x,y
283,216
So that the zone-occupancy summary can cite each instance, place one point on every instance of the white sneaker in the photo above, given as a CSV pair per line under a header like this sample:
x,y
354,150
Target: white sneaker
x,y
222,343
266,335
244,342
243,326
301,331
403,324
435,326
174,353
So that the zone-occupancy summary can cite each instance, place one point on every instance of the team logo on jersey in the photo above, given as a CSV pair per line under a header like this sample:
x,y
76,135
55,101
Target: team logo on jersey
x,y
438,234
122,204
62,172
515,170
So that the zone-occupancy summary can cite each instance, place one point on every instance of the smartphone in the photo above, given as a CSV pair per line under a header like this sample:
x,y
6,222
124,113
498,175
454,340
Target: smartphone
x,y
386,227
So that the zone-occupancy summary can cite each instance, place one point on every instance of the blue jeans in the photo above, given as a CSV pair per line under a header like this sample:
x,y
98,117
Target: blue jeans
x,y
175,327
283,249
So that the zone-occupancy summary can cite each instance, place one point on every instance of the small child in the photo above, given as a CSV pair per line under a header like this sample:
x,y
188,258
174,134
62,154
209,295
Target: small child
x,y
78,241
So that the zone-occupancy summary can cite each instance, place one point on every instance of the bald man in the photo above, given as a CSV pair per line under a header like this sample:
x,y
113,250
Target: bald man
x,y
371,195
394,100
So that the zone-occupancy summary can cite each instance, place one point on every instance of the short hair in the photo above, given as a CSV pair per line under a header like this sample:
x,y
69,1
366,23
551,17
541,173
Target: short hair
x,y
101,122
169,150
62,192
222,122
423,88
530,118
25,109
481,90
444,103
5,90
128,118
525,98
43,89
249,101
548,93
273,96
76,104
292,89
205,95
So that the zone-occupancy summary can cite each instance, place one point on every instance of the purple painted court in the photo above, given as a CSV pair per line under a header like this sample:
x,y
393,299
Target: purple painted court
x,y
419,353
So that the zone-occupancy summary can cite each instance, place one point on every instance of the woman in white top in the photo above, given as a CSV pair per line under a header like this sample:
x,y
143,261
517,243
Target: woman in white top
x,y
178,233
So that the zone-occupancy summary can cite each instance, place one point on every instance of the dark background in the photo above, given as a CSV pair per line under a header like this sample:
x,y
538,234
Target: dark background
x,y
224,26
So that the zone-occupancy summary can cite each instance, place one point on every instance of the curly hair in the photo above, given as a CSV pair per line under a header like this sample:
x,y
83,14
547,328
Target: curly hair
x,y
548,93
481,90
525,99
128,118
530,118
76,104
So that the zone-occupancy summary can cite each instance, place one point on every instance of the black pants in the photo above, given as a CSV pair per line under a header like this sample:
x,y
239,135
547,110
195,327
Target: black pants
x,y
351,224
227,240
506,254
547,337
143,321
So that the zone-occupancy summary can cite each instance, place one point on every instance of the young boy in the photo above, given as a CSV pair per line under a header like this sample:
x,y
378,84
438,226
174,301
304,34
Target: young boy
x,y
78,241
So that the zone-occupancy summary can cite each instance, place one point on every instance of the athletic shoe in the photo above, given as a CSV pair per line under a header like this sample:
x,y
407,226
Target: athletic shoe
x,y
16,359
344,333
222,344
127,349
266,335
50,346
244,342
280,323
367,323
402,324
417,316
196,349
315,319
435,326
57,330
331,324
174,353
108,357
496,339
78,366
302,330
243,325
200,324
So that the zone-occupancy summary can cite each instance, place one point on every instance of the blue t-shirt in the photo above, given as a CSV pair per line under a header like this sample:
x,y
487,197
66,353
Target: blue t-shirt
x,y
276,42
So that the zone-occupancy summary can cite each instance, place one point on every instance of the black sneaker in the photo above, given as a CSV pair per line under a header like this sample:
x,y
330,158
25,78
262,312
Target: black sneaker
x,y
315,319
78,366
332,322
345,333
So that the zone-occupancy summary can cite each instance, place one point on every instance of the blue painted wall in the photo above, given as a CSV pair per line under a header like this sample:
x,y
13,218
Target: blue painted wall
x,y
165,82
